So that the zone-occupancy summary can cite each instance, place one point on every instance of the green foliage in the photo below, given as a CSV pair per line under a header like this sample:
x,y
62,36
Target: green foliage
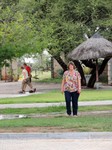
x,y
30,26
64,22
17,33
103,79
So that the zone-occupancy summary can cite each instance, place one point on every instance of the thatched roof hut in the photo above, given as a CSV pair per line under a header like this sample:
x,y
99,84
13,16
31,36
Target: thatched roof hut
x,y
93,48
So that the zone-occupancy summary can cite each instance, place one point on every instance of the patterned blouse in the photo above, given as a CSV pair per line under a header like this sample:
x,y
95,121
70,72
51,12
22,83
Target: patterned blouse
x,y
71,81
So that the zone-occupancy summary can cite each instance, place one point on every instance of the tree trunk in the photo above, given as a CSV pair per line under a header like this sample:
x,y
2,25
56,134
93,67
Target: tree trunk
x,y
11,72
64,66
52,68
104,63
78,65
92,79
61,62
100,71
0,73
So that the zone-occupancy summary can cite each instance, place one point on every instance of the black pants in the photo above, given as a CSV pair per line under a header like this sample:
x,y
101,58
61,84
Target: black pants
x,y
71,97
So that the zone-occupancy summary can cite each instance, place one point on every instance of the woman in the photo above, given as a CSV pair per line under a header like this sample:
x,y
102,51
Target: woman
x,y
26,81
71,86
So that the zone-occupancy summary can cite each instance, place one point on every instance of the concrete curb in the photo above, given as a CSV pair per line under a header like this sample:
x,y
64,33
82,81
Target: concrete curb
x,y
68,135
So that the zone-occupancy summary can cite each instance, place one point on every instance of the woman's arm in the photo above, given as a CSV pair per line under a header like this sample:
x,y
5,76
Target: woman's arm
x,y
79,82
79,85
62,86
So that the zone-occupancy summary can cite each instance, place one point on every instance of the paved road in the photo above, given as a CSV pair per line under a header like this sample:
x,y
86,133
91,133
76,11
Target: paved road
x,y
56,141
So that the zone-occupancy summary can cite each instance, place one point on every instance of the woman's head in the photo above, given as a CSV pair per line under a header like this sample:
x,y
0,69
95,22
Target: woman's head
x,y
22,67
71,65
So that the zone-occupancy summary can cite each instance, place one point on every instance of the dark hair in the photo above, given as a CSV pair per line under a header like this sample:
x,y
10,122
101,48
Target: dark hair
x,y
25,64
71,63
22,67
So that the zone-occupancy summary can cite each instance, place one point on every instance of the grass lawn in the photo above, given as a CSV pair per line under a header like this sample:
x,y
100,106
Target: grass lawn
x,y
44,75
53,109
89,122
49,80
82,123
57,96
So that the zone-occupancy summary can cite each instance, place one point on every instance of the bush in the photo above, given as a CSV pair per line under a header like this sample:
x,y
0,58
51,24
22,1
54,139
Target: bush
x,y
103,78
60,72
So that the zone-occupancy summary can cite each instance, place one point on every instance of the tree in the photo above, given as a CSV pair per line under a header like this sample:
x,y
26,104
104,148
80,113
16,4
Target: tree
x,y
17,33
58,25
64,17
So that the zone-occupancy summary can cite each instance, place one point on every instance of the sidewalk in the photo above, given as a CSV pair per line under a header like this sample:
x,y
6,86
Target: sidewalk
x,y
56,144
57,141
12,88
33,105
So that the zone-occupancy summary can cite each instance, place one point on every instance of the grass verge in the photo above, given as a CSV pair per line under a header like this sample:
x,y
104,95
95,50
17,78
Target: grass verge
x,y
89,122
82,123
56,96
49,80
53,109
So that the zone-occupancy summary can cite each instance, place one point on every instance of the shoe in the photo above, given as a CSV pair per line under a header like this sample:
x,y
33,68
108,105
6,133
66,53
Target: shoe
x,y
75,116
34,90
68,115
31,91
22,92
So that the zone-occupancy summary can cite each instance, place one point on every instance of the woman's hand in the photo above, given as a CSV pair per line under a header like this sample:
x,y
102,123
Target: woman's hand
x,y
79,91
62,90
24,80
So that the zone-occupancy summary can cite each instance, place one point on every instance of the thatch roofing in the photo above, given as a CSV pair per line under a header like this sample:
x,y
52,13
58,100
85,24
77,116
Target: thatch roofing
x,y
93,48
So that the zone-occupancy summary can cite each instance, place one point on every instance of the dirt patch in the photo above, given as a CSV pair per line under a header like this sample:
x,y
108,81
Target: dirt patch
x,y
36,129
